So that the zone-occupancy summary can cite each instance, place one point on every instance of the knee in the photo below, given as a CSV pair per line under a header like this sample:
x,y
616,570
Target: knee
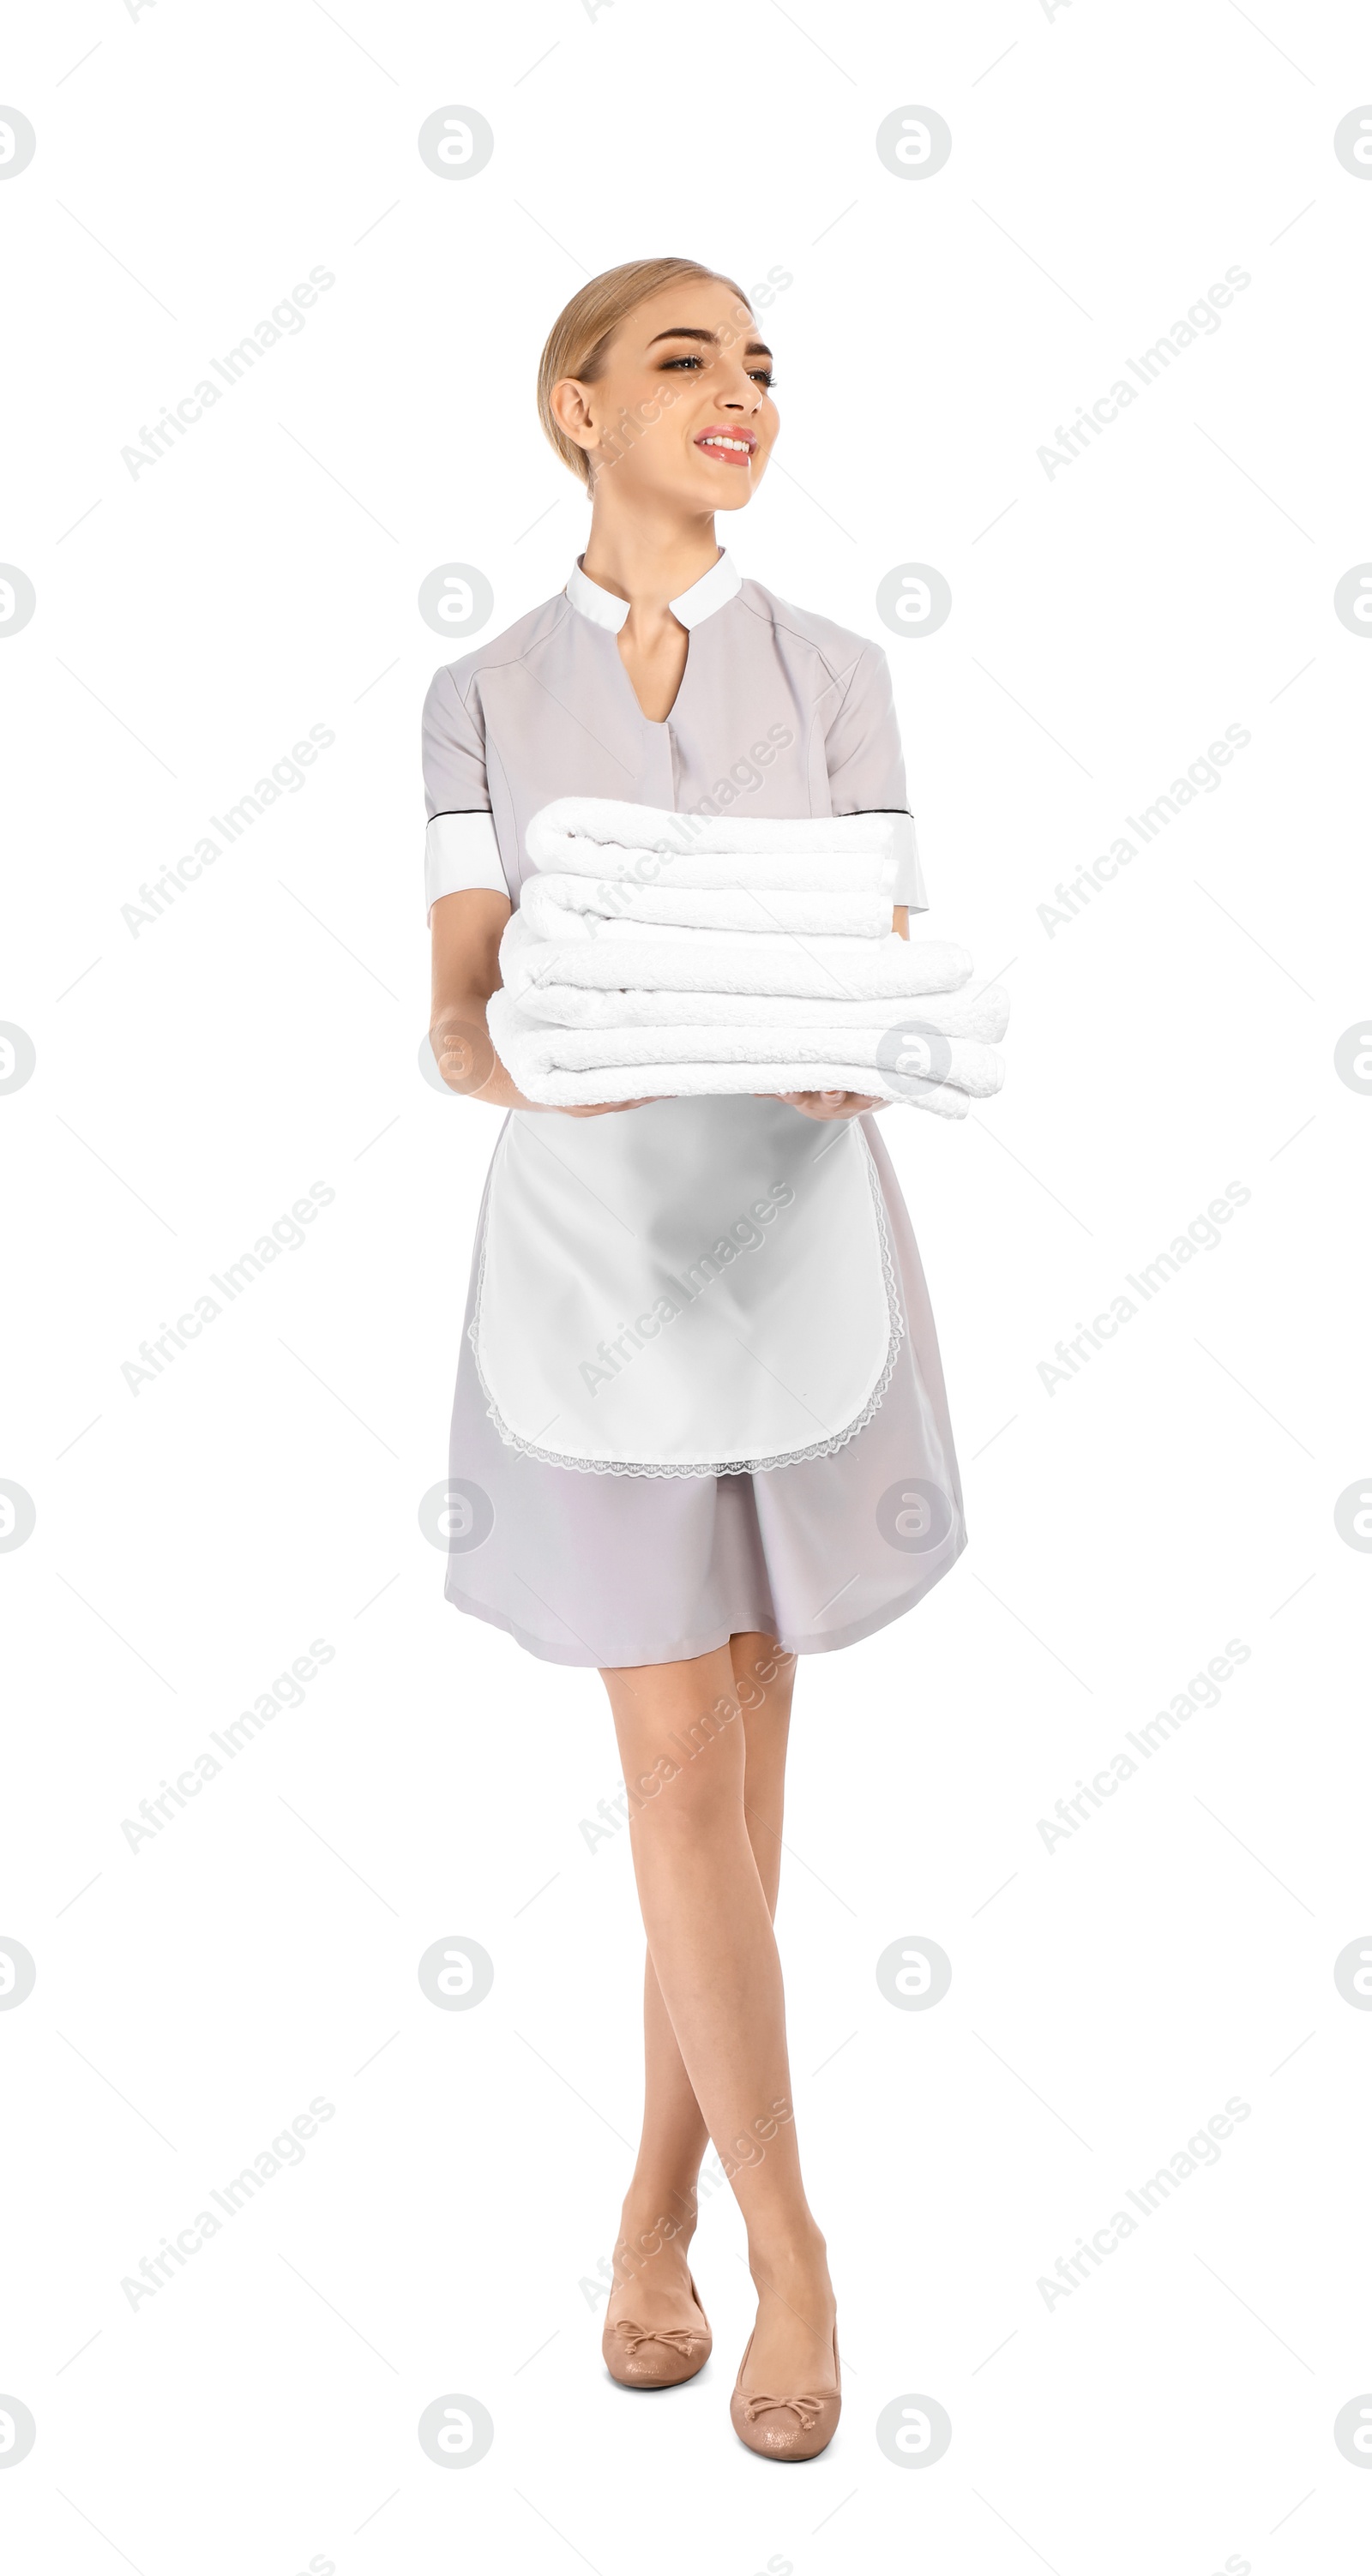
x,y
696,1783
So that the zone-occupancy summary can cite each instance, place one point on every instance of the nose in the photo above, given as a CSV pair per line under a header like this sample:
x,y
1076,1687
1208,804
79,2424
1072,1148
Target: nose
x,y
746,395
748,399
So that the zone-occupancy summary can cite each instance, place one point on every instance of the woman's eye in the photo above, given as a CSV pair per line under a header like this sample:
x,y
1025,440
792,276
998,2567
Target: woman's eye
x,y
759,375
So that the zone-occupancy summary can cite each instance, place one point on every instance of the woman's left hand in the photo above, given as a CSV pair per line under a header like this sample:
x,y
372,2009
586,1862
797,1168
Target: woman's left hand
x,y
829,1104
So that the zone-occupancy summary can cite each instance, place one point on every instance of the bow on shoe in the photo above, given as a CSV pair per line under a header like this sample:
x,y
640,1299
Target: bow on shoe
x,y
680,2338
806,2407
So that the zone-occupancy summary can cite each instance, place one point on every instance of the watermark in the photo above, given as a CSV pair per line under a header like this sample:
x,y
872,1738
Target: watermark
x,y
285,322
18,1515
612,897
18,599
1352,2431
1353,600
1201,1692
914,142
1352,1058
1202,1235
456,1974
914,2431
456,599
18,142
914,1974
614,1812
633,2255
744,1234
18,1972
287,1691
768,288
914,1515
1352,141
159,2270
1074,2270
18,2432
455,142
1352,1973
750,1692
1203,775
18,1057
459,1056
457,1515
456,1056
286,779
915,1057
743,777
914,599
1352,1515
456,2431
1202,321
749,2149
286,1235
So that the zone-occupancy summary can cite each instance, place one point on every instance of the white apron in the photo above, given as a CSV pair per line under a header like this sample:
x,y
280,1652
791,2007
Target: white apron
x,y
696,1288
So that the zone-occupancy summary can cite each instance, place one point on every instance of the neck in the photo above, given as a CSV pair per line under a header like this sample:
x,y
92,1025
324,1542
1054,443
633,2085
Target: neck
x,y
645,555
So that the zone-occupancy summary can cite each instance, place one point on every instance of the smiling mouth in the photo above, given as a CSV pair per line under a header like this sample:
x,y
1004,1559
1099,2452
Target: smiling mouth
x,y
730,449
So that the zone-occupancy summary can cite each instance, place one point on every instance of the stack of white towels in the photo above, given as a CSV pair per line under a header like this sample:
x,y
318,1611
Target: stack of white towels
x,y
660,954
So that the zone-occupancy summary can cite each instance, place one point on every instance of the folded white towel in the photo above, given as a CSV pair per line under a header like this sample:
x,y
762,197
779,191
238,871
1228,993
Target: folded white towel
x,y
667,955
909,1062
704,961
693,1081
769,871
596,836
568,907
970,1013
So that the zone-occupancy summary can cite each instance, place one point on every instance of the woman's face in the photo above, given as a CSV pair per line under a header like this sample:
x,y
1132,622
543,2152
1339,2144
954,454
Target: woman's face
x,y
682,411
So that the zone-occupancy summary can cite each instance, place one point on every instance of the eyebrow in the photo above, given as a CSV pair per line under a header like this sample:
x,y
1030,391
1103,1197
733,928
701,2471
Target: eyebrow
x,y
754,349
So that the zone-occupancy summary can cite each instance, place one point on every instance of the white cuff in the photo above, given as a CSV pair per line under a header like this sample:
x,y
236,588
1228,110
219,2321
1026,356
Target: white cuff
x,y
461,852
909,880
909,885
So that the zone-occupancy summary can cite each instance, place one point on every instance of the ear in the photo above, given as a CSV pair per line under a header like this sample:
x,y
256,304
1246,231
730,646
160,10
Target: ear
x,y
569,408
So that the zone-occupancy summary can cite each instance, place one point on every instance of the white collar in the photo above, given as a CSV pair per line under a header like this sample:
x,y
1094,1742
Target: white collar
x,y
721,583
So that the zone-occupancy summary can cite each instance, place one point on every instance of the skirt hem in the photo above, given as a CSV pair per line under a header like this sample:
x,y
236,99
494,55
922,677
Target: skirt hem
x,y
814,1644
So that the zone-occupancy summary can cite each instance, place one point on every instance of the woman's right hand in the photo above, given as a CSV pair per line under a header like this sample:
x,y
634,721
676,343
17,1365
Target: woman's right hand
x,y
603,1108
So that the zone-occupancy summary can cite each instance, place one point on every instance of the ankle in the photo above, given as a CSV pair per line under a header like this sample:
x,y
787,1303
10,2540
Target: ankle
x,y
790,2253
650,2225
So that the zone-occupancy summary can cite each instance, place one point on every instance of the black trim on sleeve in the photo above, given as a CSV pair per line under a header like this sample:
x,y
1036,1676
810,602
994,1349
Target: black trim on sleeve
x,y
464,810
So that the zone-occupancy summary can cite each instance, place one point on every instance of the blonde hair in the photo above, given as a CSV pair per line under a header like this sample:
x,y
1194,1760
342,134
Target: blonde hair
x,y
581,335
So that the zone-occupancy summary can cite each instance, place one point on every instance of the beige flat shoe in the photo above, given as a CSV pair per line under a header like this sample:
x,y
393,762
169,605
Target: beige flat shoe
x,y
786,2428
656,2356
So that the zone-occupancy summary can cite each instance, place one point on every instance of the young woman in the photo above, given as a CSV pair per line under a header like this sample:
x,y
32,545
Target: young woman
x,y
661,677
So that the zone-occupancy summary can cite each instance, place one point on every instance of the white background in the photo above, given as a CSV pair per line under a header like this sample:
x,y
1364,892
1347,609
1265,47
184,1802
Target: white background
x,y
192,1539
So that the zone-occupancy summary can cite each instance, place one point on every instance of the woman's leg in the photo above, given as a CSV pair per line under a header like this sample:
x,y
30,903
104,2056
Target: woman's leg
x,y
659,2215
706,1911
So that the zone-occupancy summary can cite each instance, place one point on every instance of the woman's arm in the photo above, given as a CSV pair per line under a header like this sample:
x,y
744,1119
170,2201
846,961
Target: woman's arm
x,y
467,930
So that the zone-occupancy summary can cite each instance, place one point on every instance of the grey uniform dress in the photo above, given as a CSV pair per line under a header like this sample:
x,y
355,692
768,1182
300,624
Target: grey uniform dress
x,y
594,1561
